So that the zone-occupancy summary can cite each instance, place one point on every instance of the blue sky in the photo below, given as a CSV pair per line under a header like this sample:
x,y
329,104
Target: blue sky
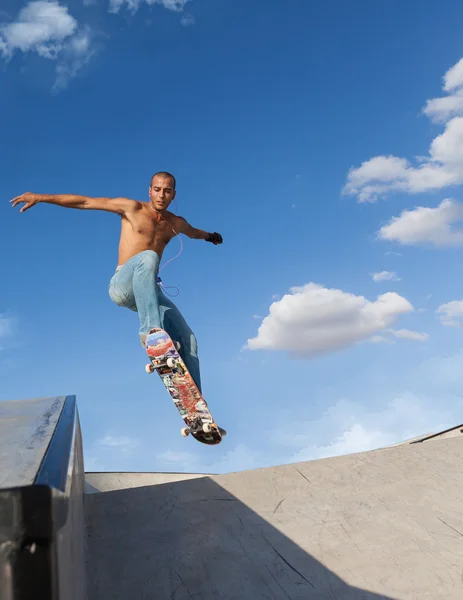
x,y
322,141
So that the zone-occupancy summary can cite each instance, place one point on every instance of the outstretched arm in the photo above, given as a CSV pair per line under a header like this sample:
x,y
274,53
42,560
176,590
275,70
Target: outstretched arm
x,y
197,234
119,206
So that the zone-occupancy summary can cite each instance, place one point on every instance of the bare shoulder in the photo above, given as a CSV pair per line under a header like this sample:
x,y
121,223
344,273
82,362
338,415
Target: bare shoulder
x,y
132,205
178,222
127,206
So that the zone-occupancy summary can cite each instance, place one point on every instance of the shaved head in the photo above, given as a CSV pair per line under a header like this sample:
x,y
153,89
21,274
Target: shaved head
x,y
166,175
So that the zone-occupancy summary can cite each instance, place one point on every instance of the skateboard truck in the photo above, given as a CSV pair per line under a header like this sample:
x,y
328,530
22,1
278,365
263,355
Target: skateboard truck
x,y
200,428
170,362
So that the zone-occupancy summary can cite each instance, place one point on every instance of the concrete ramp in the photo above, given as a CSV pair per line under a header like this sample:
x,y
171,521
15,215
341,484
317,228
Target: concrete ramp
x,y
385,524
42,525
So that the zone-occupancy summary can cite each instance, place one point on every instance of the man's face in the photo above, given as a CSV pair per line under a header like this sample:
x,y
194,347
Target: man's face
x,y
161,192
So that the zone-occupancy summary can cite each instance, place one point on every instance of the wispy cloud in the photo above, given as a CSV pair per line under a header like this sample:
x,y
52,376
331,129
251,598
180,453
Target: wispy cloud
x,y
6,325
427,401
385,276
78,53
188,20
443,167
379,339
451,313
400,334
407,334
239,458
111,452
442,109
350,427
121,443
169,458
49,30
133,5
313,320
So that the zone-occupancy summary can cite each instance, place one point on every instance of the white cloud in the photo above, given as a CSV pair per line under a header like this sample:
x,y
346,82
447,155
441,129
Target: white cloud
x,y
239,458
47,28
313,320
133,5
379,339
6,326
349,427
426,225
385,276
443,166
122,444
406,334
401,334
41,27
355,439
444,374
74,57
440,110
188,20
428,401
451,313
171,457
384,174
111,453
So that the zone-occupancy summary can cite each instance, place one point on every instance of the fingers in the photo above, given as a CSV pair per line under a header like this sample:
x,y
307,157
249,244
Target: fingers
x,y
19,199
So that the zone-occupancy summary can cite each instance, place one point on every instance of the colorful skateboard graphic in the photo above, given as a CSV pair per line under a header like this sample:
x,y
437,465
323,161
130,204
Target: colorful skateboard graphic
x,y
165,359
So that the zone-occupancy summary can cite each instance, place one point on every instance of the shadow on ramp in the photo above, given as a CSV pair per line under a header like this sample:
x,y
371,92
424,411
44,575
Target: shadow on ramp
x,y
195,540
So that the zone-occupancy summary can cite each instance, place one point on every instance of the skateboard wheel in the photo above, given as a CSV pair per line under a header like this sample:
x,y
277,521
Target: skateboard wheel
x,y
207,428
149,368
185,432
171,363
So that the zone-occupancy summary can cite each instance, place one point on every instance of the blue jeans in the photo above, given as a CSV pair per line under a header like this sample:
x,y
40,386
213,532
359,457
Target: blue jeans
x,y
134,286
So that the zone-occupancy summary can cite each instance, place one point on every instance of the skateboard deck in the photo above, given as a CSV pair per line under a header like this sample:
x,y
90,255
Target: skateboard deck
x,y
165,359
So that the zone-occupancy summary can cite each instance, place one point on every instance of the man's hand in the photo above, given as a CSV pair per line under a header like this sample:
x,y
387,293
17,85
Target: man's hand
x,y
29,199
214,238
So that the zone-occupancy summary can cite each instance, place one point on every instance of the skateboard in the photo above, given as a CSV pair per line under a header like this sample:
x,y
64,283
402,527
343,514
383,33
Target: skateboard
x,y
165,359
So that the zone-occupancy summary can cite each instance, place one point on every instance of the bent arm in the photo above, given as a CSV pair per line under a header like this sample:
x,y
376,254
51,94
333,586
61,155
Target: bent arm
x,y
190,231
197,234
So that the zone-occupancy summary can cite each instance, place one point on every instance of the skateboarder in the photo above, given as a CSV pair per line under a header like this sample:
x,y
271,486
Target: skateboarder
x,y
146,229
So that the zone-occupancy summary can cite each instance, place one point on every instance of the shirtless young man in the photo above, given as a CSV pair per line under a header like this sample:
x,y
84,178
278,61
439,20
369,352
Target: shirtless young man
x,y
146,229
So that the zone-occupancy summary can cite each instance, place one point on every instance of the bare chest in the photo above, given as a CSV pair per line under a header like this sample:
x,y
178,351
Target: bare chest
x,y
150,227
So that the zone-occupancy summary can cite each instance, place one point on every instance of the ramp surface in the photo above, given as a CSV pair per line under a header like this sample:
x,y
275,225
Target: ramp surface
x,y
42,524
26,428
379,525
